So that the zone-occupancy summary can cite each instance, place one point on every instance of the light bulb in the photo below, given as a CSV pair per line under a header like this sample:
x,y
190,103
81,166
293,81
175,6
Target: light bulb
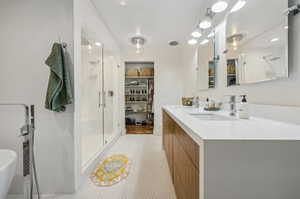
x,y
210,35
206,23
275,39
219,6
239,5
205,41
192,42
97,43
196,34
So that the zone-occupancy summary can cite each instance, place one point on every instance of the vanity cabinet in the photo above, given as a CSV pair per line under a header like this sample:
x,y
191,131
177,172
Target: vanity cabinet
x,y
183,159
238,159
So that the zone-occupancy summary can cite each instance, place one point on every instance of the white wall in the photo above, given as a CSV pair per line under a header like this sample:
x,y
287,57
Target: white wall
x,y
28,30
168,80
283,92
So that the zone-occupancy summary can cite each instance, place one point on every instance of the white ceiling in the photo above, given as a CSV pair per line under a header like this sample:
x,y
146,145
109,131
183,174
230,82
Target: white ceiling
x,y
160,21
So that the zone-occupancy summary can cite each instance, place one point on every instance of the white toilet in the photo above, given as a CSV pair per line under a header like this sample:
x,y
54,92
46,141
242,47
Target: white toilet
x,y
8,163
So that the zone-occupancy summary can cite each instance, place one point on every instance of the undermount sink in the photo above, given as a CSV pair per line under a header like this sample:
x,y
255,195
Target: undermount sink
x,y
212,116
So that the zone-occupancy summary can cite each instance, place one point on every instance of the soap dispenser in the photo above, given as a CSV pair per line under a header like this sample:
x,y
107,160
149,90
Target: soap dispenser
x,y
206,104
243,111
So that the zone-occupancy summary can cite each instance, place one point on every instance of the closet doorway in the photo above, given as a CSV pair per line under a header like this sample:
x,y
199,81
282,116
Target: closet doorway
x,y
139,97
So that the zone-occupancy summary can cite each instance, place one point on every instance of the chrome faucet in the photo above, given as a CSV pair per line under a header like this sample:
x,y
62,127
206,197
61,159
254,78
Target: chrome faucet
x,y
232,104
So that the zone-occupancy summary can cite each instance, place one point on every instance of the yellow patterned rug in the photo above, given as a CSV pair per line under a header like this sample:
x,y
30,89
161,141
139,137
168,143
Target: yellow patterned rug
x,y
111,170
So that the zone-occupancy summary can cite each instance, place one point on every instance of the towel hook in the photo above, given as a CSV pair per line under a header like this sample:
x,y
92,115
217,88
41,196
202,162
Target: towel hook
x,y
64,44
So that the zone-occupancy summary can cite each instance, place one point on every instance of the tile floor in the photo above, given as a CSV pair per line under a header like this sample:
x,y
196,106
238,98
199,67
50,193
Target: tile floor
x,y
149,176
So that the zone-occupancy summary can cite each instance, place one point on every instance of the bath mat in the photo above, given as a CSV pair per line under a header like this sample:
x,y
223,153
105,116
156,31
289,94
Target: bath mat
x,y
111,170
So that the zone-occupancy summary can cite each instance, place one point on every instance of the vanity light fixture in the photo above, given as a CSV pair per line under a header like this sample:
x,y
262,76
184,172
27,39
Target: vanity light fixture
x,y
219,6
197,33
192,42
207,22
239,5
275,39
205,41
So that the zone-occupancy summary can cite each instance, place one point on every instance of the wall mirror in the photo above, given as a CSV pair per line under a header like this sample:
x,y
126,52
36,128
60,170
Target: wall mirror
x,y
257,42
207,64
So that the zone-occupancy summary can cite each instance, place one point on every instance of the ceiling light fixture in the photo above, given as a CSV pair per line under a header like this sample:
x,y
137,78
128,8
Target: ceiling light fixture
x,y
219,6
138,42
205,41
192,42
239,5
197,33
275,39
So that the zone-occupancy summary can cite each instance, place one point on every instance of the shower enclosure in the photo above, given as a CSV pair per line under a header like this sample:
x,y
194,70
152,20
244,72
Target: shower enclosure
x,y
98,93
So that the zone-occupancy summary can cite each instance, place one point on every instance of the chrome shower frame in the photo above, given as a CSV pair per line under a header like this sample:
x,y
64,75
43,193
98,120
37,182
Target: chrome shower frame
x,y
27,131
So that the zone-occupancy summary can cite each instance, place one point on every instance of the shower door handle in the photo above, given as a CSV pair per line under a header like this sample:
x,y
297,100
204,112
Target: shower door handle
x,y
100,99
104,99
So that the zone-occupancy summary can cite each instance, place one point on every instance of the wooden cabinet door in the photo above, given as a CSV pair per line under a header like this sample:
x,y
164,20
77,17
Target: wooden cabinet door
x,y
168,133
190,147
186,175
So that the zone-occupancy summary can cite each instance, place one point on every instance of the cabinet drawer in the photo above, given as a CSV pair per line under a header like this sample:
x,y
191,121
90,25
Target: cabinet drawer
x,y
186,175
188,144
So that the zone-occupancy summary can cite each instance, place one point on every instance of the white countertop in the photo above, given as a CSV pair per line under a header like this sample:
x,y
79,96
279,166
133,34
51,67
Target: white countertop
x,y
238,129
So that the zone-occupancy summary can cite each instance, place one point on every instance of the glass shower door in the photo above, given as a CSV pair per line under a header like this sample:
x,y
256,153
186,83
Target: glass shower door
x,y
91,116
110,78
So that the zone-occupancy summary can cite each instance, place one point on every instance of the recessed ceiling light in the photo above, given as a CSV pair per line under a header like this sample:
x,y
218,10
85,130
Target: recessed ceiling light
x,y
123,3
205,24
205,41
239,5
97,43
210,35
219,6
197,34
192,42
275,39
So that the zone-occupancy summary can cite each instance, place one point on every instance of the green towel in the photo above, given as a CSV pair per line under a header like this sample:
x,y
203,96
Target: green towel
x,y
59,91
